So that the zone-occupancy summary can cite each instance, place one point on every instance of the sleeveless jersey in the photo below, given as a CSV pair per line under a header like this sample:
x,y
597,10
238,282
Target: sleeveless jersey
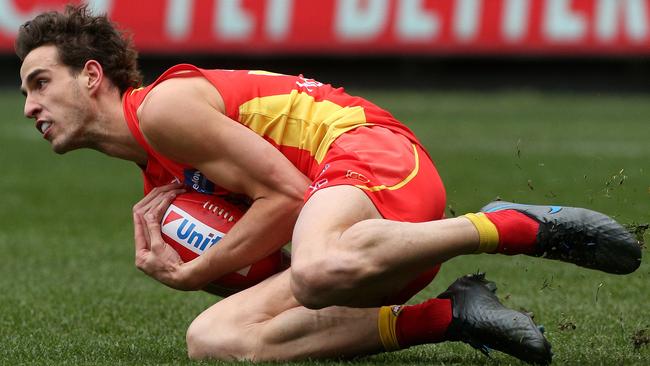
x,y
300,117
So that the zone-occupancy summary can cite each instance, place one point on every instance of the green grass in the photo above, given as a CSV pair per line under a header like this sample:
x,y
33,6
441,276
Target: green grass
x,y
71,295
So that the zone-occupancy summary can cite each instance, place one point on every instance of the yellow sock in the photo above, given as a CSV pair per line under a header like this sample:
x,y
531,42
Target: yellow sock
x,y
487,232
386,323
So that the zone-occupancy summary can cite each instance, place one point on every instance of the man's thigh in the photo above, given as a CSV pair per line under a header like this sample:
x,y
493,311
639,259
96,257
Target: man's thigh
x,y
253,305
326,215
343,251
370,173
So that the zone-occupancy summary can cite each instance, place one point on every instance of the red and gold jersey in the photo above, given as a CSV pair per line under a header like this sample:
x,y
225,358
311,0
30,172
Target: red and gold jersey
x,y
301,117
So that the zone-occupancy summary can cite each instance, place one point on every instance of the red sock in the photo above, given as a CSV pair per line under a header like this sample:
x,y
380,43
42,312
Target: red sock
x,y
517,232
423,323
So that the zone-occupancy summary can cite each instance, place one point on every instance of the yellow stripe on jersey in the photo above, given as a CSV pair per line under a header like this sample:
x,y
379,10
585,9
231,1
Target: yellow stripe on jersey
x,y
401,184
298,120
262,72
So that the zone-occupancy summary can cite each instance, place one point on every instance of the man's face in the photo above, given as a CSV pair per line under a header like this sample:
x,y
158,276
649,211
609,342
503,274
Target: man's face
x,y
55,99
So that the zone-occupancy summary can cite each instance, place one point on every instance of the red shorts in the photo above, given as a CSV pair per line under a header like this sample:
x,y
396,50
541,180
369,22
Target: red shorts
x,y
397,175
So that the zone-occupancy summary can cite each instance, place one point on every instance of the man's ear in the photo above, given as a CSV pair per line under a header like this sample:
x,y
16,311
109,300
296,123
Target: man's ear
x,y
93,74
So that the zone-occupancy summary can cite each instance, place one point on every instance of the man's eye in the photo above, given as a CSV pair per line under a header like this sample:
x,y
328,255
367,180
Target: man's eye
x,y
41,83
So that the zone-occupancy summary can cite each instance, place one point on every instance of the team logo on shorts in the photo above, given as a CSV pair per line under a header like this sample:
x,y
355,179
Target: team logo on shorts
x,y
358,176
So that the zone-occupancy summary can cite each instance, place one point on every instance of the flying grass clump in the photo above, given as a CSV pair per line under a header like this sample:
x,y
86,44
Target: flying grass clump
x,y
638,230
641,338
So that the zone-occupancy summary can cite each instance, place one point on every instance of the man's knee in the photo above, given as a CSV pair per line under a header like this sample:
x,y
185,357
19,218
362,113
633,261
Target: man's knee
x,y
306,285
206,341
329,279
199,343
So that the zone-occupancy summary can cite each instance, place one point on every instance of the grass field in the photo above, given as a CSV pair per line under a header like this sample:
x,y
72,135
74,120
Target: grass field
x,y
71,295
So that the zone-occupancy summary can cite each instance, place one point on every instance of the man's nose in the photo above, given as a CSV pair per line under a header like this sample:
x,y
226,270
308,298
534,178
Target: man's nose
x,y
31,108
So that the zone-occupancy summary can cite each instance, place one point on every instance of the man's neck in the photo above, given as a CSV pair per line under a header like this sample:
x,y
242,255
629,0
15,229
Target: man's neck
x,y
114,137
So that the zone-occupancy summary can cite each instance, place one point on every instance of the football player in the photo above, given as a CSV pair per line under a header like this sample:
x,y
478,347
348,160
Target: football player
x,y
350,186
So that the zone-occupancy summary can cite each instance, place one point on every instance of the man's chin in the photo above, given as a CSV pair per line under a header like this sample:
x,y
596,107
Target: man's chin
x,y
64,143
60,149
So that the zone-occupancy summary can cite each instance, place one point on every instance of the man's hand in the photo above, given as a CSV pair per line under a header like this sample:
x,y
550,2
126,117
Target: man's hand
x,y
152,255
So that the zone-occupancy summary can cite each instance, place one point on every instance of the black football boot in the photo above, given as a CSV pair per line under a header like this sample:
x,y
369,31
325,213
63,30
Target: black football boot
x,y
479,319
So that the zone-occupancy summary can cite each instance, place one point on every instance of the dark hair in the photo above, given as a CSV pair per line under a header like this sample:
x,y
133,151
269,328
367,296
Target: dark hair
x,y
79,37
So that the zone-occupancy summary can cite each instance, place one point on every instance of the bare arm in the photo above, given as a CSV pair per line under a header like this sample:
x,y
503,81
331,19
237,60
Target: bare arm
x,y
183,119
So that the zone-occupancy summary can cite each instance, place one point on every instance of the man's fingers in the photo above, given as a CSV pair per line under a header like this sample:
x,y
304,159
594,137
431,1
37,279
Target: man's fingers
x,y
161,200
140,236
147,215
150,196
162,204
153,231
162,196
145,231
144,204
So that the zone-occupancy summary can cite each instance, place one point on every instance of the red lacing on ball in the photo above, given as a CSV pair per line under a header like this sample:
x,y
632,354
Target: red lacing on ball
x,y
215,209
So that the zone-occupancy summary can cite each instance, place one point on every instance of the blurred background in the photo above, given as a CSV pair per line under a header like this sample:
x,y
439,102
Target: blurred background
x,y
584,45
543,101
